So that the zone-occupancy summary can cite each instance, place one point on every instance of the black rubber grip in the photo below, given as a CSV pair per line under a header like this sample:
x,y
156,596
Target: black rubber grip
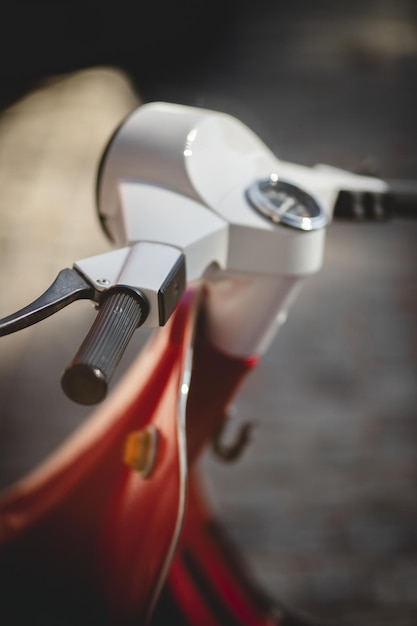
x,y
399,201
86,379
402,198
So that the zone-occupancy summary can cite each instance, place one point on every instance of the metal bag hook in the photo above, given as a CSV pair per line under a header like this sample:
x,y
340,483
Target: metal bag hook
x,y
232,450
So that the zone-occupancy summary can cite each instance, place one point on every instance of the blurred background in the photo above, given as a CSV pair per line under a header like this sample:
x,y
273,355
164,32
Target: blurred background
x,y
323,502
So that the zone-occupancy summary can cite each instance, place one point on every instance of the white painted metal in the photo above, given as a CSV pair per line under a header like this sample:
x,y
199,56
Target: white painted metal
x,y
143,265
246,311
156,214
177,175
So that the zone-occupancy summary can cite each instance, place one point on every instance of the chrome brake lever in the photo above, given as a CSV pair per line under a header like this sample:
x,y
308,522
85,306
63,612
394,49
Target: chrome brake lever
x,y
68,287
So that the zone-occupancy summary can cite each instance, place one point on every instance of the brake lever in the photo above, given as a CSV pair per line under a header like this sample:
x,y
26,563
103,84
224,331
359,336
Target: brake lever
x,y
68,287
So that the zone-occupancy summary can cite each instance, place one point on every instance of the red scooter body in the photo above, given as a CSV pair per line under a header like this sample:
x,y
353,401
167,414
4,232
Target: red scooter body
x,y
87,539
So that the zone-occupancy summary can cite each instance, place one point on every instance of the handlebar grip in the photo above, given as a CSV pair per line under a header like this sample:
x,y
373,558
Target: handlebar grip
x,y
402,198
399,201
86,379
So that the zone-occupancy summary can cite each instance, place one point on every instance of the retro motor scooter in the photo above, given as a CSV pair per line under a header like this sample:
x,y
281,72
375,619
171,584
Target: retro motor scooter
x,y
213,236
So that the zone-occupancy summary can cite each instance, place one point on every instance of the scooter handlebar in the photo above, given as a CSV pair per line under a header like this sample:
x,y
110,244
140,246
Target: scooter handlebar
x,y
86,379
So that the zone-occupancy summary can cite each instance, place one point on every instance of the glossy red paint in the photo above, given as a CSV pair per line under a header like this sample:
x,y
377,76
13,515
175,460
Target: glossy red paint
x,y
87,536
209,582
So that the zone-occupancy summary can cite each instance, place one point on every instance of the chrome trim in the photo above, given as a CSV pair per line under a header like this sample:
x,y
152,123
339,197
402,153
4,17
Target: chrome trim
x,y
311,217
183,472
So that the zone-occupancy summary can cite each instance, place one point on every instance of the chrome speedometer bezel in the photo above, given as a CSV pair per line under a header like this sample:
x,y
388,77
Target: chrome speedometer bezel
x,y
313,218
